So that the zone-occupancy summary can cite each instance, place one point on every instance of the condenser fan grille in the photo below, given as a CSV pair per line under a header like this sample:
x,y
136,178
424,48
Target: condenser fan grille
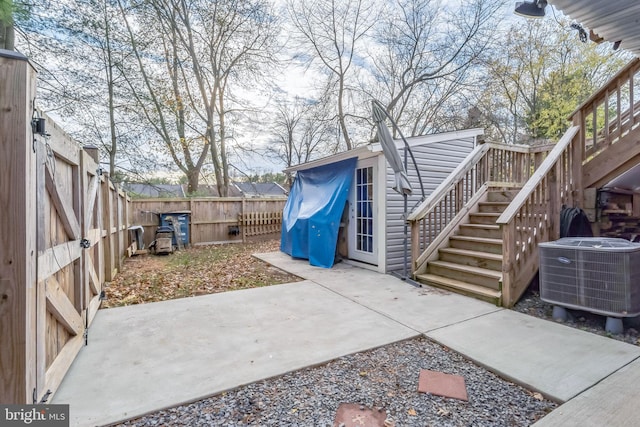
x,y
593,274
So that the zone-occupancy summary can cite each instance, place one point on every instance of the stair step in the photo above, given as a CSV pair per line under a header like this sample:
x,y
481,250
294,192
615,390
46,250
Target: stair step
x,y
466,273
460,287
484,218
480,230
473,258
502,195
478,244
493,206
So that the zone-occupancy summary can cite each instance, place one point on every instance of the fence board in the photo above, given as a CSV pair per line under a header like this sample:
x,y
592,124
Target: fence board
x,y
213,219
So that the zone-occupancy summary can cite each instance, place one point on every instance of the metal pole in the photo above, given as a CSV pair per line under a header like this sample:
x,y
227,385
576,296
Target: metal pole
x,y
404,219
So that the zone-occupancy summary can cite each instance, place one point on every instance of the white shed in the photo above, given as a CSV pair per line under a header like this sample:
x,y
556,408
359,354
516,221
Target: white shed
x,y
372,226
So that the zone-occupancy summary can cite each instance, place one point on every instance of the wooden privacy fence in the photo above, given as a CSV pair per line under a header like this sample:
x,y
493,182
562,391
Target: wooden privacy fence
x,y
63,233
213,220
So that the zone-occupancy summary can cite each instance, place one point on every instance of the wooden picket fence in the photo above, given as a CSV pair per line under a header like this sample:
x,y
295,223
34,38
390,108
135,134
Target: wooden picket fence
x,y
260,223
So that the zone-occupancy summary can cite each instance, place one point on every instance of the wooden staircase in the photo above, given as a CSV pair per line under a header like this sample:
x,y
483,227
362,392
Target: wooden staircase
x,y
470,238
471,263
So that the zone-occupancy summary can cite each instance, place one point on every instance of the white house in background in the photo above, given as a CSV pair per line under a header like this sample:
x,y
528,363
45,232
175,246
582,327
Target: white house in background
x,y
374,238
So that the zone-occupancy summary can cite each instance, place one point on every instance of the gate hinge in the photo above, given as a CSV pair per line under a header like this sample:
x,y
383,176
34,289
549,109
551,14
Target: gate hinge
x,y
44,398
103,295
85,335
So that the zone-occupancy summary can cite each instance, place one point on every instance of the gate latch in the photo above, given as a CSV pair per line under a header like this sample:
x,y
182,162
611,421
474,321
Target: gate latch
x,y
85,244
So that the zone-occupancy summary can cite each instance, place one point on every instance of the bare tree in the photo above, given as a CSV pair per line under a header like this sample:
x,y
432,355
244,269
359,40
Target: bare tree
x,y
160,95
78,50
301,132
424,55
544,74
334,32
213,47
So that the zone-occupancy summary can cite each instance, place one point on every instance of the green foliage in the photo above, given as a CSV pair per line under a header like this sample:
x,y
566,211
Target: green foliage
x,y
566,88
559,97
541,78
276,177
11,11
6,11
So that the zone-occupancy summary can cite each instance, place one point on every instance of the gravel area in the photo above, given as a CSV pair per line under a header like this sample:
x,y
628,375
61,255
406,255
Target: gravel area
x,y
386,377
531,304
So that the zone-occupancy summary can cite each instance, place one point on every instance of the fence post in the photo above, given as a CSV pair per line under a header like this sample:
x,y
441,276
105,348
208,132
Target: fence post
x,y
118,242
18,235
244,221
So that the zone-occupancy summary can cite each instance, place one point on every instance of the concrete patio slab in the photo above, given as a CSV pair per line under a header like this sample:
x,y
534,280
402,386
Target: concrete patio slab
x,y
556,360
152,356
423,309
148,357
612,402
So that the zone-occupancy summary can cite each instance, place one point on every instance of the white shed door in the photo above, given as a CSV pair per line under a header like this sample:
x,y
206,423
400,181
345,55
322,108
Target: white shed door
x,y
363,242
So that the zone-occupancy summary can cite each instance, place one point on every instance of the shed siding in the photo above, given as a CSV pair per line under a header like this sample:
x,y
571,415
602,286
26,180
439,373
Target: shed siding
x,y
435,161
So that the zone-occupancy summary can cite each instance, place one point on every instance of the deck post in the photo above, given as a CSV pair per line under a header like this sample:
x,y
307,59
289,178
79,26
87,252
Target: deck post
x,y
554,202
415,244
508,262
577,154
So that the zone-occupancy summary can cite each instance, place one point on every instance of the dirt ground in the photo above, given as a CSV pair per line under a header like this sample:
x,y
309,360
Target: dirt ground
x,y
192,272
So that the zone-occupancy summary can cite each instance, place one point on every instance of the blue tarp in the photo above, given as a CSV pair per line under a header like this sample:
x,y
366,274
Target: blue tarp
x,y
311,218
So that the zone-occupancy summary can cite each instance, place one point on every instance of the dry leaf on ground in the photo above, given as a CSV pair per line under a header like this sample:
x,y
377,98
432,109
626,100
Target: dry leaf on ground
x,y
194,271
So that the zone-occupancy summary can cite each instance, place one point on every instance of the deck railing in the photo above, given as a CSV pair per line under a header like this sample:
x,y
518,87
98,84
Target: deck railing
x,y
605,119
534,214
612,112
496,165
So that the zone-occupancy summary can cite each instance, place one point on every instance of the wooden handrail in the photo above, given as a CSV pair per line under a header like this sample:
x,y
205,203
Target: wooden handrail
x,y
488,165
534,214
536,178
445,186
605,120
465,166
548,183
611,83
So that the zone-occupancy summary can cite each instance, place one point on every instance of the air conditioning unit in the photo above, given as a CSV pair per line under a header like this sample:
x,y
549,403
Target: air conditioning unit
x,y
599,275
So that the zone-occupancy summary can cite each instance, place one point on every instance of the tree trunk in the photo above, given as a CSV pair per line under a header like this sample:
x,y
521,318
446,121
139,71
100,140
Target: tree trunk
x,y
6,36
193,180
341,119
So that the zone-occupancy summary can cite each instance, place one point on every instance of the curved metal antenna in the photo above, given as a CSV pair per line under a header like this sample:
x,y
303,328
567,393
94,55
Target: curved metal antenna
x,y
406,144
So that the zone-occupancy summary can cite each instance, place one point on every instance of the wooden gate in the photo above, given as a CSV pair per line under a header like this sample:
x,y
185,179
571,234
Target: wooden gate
x,y
60,307
56,204
92,232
